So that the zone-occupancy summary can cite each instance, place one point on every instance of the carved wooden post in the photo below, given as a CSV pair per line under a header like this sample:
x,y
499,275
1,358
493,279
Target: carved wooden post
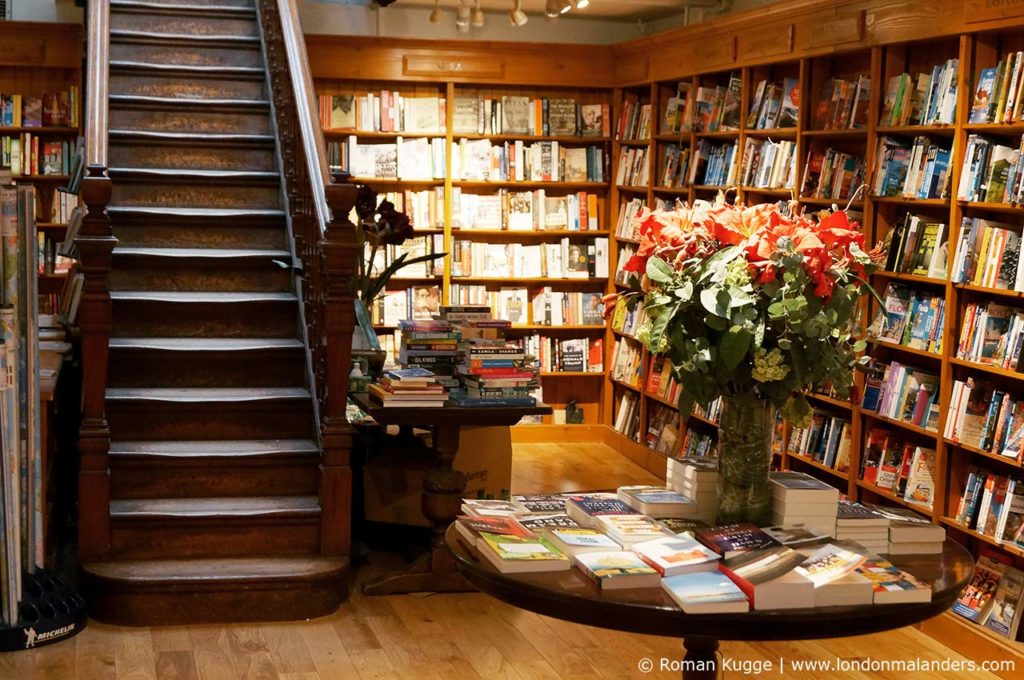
x,y
95,245
338,249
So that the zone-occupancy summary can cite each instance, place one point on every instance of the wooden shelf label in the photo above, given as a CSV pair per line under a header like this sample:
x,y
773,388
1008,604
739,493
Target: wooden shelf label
x,y
987,10
447,67
839,30
772,42
22,51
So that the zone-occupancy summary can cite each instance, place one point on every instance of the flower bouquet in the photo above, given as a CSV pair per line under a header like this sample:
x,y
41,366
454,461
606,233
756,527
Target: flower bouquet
x,y
754,305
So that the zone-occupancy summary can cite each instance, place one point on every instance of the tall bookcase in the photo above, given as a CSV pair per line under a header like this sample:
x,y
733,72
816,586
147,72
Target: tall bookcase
x,y
37,59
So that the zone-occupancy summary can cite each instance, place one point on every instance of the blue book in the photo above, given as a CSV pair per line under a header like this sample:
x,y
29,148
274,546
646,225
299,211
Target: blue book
x,y
417,373
708,592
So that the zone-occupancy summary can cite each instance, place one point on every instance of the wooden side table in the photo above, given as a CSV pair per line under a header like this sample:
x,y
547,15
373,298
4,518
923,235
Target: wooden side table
x,y
443,486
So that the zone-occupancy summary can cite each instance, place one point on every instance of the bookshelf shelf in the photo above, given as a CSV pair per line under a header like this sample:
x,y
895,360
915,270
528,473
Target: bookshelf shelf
x,y
985,368
1002,208
626,385
909,278
545,281
780,193
828,202
719,134
711,187
532,233
40,178
702,419
631,189
674,137
836,135
572,374
633,142
534,138
831,401
999,292
1012,549
572,186
620,334
893,497
916,130
774,133
996,129
623,239
397,182
904,200
910,350
661,400
982,452
51,226
817,464
674,191
909,427
374,134
38,130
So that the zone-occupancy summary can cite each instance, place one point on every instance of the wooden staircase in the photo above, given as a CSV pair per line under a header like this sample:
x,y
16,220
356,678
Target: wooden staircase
x,y
208,489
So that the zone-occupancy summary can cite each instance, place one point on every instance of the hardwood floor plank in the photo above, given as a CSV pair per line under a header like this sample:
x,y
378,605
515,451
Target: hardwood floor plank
x,y
374,664
287,649
251,652
171,639
211,653
54,662
95,650
330,658
176,665
134,655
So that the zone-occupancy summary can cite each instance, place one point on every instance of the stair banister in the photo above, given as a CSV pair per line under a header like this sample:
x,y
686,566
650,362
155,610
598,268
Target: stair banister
x,y
325,242
95,244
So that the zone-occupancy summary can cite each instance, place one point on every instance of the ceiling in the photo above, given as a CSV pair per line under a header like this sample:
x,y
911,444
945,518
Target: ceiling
x,y
621,10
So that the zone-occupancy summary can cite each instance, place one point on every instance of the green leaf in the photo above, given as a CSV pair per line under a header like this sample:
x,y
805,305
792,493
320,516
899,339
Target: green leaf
x,y
738,298
710,299
686,402
716,322
685,291
734,346
659,271
797,411
718,260
785,344
777,310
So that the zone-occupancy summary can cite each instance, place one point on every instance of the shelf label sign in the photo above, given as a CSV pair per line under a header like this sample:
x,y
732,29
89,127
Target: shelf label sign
x,y
20,51
839,30
987,10
466,67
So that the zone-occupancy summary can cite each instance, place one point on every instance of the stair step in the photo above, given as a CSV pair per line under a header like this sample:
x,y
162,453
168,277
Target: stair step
x,y
183,591
222,178
205,395
236,215
187,70
162,188
204,314
247,449
192,114
160,232
198,82
196,469
185,50
190,138
124,36
168,19
221,104
206,362
215,508
201,253
203,297
211,9
214,527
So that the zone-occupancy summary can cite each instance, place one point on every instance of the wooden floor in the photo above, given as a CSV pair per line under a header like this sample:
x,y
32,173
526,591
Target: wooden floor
x,y
436,637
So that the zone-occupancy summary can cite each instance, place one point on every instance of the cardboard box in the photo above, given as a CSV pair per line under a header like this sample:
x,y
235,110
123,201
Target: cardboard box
x,y
393,476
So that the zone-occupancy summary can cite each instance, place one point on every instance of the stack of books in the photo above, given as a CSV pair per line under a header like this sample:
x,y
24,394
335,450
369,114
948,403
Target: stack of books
x,y
833,570
698,481
994,597
431,345
858,523
408,388
909,532
658,501
799,498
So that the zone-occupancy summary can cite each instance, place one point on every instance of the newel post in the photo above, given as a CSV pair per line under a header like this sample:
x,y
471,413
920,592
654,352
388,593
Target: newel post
x,y
95,244
338,253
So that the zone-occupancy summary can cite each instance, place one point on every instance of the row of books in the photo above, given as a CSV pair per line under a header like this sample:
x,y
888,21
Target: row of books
x,y
924,99
715,163
384,111
567,308
991,172
27,154
902,468
987,254
679,110
827,440
662,429
566,355
626,362
718,107
675,167
775,105
997,96
626,320
634,121
412,248
409,159
905,393
768,164
917,170
994,598
627,415
518,115
626,251
525,211
985,417
52,109
911,317
634,170
917,244
991,334
832,174
661,381
993,505
62,207
414,302
843,104
568,259
627,225
425,208
482,160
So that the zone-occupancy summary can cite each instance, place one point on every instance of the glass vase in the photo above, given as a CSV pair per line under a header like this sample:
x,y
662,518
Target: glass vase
x,y
744,458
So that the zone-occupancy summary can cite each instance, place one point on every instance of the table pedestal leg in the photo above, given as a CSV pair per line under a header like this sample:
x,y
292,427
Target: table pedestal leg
x,y
701,660
443,488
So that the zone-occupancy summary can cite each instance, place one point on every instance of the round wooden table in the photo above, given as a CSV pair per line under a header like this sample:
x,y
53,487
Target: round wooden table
x,y
570,596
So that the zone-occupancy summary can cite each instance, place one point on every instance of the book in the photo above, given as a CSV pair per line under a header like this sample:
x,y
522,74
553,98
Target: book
x,y
730,540
653,500
710,592
515,554
672,555
586,509
682,525
628,530
543,504
616,569
537,524
801,487
478,507
769,578
892,585
797,534
830,562
576,541
470,527
976,599
1004,614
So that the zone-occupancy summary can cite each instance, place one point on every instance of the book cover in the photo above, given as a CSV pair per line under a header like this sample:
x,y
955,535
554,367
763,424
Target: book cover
x,y
520,549
673,555
830,562
1004,615
732,539
891,584
705,591
976,600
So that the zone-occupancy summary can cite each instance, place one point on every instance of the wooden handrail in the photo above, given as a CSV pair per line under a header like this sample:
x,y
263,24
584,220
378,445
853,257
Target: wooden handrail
x,y
95,245
325,244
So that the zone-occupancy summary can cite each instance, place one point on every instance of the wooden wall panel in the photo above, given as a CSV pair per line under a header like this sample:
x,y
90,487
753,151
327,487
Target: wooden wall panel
x,y
29,43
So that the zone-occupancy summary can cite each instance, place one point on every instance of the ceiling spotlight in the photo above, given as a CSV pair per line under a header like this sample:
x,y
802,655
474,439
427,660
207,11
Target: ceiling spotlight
x,y
517,17
552,9
462,17
564,6
580,4
435,15
478,16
